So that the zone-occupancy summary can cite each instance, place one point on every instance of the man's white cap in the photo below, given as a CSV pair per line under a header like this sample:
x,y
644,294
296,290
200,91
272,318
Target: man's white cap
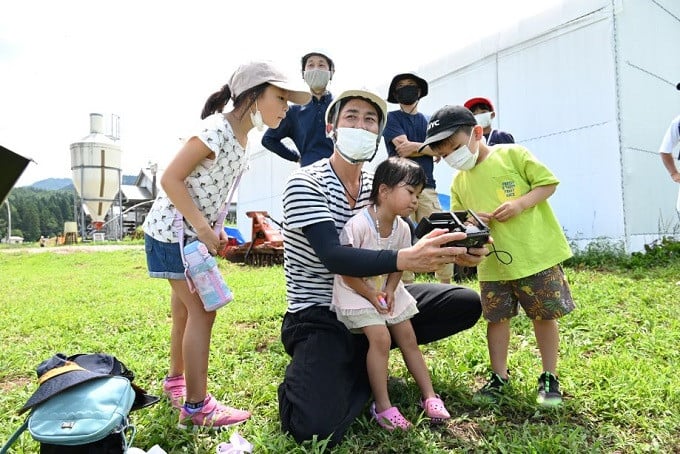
x,y
364,94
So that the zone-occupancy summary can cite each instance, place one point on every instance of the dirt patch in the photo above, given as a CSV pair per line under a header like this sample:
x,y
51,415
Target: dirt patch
x,y
10,384
71,249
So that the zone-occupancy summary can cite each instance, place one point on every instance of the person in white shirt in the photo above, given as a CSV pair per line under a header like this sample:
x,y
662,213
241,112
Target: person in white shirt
x,y
669,145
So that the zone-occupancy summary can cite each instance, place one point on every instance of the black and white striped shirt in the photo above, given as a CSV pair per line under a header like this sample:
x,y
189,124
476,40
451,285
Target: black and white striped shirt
x,y
313,194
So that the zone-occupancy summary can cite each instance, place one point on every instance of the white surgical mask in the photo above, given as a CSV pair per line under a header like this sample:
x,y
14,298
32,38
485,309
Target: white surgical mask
x,y
317,79
462,158
483,119
356,144
256,118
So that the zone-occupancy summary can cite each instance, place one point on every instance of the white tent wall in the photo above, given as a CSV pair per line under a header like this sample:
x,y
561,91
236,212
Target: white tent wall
x,y
582,87
261,186
553,88
586,86
647,35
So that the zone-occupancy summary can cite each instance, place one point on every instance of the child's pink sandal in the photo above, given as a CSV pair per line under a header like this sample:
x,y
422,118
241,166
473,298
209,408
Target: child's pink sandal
x,y
435,409
390,419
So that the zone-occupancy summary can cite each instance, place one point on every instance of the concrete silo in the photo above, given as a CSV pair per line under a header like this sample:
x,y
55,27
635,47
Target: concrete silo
x,y
96,170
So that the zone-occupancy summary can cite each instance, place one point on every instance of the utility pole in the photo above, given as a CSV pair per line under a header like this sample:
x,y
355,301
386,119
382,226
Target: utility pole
x,y
9,222
154,169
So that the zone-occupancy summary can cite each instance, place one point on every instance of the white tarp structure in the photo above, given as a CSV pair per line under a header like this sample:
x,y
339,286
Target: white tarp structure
x,y
588,87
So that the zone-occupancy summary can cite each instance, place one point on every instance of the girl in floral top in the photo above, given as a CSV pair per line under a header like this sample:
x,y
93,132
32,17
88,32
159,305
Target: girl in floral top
x,y
196,184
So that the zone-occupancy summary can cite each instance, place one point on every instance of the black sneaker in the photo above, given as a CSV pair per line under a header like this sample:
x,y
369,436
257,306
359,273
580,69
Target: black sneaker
x,y
492,390
549,394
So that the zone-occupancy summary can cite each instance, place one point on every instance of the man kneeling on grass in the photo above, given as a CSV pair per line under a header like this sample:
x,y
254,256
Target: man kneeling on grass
x,y
326,385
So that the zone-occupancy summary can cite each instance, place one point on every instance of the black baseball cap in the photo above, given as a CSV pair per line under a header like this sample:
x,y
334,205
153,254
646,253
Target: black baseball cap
x,y
445,121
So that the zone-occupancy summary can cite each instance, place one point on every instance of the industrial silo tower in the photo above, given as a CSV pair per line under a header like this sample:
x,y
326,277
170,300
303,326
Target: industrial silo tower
x,y
96,170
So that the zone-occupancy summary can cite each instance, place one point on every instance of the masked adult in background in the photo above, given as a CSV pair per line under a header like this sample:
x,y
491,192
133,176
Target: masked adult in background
x,y
404,135
305,125
326,385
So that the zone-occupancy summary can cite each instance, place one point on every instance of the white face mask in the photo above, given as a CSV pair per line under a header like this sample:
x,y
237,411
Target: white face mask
x,y
356,144
483,119
317,79
462,158
256,118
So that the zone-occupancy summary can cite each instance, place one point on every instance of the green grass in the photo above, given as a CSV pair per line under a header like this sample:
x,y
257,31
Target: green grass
x,y
618,366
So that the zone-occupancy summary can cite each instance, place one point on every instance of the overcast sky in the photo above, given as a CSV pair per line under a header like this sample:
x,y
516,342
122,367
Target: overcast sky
x,y
154,63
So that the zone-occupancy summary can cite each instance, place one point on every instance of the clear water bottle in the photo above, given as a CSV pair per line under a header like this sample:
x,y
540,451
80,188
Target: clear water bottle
x,y
206,277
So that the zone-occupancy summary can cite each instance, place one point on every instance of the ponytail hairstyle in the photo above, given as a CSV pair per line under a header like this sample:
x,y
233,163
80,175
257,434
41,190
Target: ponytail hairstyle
x,y
396,171
216,102
243,102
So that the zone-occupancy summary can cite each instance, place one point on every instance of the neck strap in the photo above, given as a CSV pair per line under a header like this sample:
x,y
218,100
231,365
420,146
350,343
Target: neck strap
x,y
178,223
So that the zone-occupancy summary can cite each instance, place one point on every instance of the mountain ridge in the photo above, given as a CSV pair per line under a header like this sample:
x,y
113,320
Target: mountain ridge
x,y
61,184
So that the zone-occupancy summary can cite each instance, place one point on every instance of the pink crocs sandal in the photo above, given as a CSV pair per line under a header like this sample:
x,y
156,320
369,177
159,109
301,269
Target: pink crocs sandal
x,y
435,409
390,419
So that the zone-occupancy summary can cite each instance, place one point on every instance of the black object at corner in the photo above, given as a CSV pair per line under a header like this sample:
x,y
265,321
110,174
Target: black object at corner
x,y
12,167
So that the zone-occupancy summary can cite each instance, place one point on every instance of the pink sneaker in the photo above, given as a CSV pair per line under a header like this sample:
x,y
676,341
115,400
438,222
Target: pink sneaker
x,y
435,409
390,419
213,415
175,390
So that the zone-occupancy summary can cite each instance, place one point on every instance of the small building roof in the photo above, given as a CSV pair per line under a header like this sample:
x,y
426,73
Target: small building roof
x,y
132,193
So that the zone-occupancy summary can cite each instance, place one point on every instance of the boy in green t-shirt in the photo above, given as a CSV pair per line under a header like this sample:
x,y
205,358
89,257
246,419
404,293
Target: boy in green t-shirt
x,y
508,188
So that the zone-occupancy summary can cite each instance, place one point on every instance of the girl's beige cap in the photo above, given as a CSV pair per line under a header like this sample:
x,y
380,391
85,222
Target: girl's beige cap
x,y
252,74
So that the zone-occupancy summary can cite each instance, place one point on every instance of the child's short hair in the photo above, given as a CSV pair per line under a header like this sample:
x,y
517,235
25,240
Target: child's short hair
x,y
395,171
441,143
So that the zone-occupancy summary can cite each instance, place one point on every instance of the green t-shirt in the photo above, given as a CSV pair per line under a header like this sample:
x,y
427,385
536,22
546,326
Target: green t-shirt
x,y
534,238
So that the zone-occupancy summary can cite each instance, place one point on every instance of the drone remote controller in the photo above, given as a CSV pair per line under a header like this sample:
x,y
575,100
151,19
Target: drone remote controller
x,y
477,235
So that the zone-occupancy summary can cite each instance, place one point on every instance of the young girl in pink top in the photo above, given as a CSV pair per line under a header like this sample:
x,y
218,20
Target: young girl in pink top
x,y
380,306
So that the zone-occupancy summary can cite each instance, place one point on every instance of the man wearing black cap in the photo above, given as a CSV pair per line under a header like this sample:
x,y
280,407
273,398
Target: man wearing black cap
x,y
305,125
670,141
404,135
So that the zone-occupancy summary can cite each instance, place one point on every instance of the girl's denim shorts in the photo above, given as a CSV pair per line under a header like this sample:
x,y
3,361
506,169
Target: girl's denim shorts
x,y
163,259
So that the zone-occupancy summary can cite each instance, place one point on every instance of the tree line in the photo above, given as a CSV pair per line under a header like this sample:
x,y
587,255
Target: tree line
x,y
37,212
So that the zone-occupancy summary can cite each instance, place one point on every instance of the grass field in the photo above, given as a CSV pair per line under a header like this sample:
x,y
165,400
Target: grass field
x,y
618,366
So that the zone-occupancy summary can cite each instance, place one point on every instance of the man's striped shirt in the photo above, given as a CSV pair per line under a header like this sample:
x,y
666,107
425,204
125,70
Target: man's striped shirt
x,y
313,194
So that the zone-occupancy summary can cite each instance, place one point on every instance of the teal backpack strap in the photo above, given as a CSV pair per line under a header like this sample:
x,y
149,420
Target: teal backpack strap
x,y
14,437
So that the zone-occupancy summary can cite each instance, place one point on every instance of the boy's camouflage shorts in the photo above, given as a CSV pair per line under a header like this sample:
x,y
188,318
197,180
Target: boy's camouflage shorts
x,y
543,296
